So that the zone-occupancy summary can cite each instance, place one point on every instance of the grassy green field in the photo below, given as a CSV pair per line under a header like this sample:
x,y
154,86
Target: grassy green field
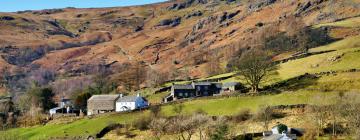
x,y
83,127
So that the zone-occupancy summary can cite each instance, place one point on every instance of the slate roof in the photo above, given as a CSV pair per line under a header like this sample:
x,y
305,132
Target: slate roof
x,y
230,84
183,87
203,83
218,85
127,99
104,97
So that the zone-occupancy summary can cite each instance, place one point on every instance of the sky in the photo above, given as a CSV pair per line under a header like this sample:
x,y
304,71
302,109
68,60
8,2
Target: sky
x,y
21,5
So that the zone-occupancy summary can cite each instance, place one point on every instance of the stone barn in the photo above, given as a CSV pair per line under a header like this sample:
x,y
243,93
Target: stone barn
x,y
98,104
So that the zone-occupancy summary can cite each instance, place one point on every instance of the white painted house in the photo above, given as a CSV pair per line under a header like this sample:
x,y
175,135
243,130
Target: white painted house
x,y
129,103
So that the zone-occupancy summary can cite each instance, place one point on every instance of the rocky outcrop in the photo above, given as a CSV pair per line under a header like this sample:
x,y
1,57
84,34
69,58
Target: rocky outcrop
x,y
27,54
186,4
303,7
260,4
225,16
170,22
194,14
135,23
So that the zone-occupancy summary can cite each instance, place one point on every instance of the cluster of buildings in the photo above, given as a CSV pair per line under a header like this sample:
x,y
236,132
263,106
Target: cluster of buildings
x,y
98,104
200,89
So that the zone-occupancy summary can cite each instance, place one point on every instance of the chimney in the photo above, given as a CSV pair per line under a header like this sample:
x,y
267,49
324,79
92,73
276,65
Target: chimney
x,y
121,95
138,95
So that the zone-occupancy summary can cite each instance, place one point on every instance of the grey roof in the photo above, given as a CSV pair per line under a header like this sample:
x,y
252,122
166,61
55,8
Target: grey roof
x,y
230,84
127,99
104,97
203,83
218,85
183,87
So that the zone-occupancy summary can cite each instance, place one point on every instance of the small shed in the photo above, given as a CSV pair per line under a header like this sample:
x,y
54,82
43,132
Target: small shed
x,y
98,104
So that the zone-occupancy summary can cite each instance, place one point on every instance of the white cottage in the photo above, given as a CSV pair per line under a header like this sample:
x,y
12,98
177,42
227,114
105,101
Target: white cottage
x,y
128,103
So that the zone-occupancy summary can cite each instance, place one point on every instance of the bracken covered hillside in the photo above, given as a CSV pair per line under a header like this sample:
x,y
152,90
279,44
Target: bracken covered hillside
x,y
180,36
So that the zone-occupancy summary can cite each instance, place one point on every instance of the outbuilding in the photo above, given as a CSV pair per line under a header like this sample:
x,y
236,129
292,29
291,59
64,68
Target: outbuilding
x,y
98,104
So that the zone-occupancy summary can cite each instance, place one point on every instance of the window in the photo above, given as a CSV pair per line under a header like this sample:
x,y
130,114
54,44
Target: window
x,y
180,94
186,94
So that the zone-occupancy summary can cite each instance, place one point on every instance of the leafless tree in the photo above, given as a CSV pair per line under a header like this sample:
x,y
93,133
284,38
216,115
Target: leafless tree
x,y
265,115
254,67
187,126
158,126
297,28
154,78
133,77
213,67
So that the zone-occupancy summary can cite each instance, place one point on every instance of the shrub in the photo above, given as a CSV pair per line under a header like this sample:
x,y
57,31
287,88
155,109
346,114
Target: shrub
x,y
282,128
158,126
142,123
200,111
243,115
178,108
155,111
220,133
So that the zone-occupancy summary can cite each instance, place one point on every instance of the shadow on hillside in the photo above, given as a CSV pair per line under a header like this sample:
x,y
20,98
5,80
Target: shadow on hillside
x,y
296,83
312,37
107,129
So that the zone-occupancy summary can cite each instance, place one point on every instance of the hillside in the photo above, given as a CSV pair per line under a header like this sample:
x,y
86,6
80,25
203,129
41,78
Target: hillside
x,y
149,47
163,37
301,91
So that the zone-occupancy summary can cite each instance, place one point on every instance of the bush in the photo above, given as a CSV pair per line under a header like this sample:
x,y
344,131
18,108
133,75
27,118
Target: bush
x,y
200,111
155,110
142,123
220,132
243,115
282,128
178,108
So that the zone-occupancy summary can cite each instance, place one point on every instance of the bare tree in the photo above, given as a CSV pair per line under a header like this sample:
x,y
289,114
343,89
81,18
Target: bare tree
x,y
297,28
133,77
350,111
158,126
213,67
254,67
265,115
187,126
154,78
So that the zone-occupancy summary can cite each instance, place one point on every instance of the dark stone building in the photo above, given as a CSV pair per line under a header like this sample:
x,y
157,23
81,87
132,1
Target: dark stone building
x,y
199,89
